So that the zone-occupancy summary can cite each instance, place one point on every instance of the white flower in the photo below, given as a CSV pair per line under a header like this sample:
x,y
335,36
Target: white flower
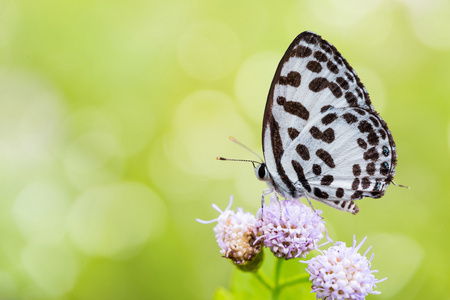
x,y
236,234
342,273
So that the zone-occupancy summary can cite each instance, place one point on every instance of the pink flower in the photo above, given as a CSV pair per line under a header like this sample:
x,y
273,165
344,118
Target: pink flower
x,y
290,229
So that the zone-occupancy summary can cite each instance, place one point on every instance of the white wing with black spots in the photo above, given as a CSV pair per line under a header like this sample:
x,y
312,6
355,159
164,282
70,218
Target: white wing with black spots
x,y
318,109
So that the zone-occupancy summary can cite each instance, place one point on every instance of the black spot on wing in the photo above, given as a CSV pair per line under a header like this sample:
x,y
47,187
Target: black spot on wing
x,y
317,170
301,175
362,143
303,151
355,184
329,118
310,38
332,67
301,51
327,180
371,154
365,126
360,94
342,83
338,59
356,170
320,194
320,56
365,182
357,195
360,111
326,47
325,108
293,133
294,108
326,136
349,76
325,157
315,132
375,121
293,79
351,99
335,89
370,168
314,66
318,84
372,138
349,118
382,133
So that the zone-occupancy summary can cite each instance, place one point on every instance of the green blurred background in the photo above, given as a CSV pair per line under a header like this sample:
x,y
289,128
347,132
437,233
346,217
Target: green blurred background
x,y
112,114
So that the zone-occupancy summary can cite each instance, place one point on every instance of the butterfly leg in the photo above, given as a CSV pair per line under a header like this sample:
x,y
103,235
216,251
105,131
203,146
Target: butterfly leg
x,y
279,205
278,200
309,201
265,192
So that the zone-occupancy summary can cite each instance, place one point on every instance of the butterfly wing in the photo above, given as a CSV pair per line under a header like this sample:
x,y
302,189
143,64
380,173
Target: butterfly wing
x,y
311,78
341,155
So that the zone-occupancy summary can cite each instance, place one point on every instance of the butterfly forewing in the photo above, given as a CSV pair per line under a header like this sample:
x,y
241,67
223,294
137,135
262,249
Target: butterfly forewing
x,y
319,127
311,77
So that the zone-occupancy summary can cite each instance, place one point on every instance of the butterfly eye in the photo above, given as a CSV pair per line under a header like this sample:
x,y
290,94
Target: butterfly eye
x,y
262,171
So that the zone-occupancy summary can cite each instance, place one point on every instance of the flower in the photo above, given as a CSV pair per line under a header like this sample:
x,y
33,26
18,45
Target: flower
x,y
236,235
342,273
289,228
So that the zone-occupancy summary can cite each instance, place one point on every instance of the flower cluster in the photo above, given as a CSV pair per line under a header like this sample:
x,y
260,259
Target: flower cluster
x,y
342,273
290,229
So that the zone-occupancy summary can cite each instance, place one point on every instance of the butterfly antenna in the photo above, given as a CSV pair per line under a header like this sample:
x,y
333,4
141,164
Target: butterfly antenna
x,y
245,147
233,159
399,185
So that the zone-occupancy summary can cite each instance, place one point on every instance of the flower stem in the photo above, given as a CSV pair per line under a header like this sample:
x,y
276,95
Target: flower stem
x,y
276,278
262,277
295,280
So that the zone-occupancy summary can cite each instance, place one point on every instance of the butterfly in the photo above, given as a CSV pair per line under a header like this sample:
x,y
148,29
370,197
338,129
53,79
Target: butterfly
x,y
321,136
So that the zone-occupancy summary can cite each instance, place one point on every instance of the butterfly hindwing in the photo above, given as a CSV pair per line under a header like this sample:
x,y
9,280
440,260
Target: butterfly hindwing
x,y
341,154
